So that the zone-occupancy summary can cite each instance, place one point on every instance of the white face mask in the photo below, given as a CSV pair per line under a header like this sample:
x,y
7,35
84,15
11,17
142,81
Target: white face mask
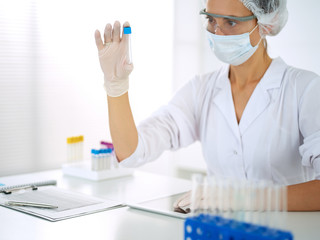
x,y
232,49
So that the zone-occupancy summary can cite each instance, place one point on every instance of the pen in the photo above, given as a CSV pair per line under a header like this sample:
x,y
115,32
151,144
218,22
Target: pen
x,y
29,204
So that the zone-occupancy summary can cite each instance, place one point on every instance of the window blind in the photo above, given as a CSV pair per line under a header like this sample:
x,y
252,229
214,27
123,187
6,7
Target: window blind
x,y
18,38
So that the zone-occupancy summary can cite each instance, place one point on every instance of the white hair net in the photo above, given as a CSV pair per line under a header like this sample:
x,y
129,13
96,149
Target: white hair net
x,y
272,15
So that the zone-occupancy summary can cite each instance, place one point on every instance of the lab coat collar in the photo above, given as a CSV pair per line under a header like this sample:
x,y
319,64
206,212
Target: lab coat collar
x,y
274,74
271,79
258,101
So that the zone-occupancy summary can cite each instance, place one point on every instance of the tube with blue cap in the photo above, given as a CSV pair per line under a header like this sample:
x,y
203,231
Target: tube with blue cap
x,y
127,30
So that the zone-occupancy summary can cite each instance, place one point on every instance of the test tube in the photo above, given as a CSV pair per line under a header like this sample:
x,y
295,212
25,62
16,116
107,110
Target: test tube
x,y
250,201
196,194
94,160
237,200
262,202
76,148
226,197
220,196
73,150
127,31
279,208
113,159
108,158
105,158
254,207
69,149
211,196
269,208
101,159
205,196
81,138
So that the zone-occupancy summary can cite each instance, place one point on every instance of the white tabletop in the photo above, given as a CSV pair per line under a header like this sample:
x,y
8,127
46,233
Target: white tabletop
x,y
121,223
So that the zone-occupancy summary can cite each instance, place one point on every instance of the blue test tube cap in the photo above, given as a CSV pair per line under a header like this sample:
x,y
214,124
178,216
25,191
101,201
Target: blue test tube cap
x,y
127,30
108,150
94,151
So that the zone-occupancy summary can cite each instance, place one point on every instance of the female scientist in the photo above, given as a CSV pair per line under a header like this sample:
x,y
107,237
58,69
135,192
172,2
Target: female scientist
x,y
256,117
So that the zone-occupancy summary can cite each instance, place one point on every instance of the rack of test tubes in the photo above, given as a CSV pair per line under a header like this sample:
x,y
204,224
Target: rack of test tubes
x,y
224,209
103,163
103,158
75,149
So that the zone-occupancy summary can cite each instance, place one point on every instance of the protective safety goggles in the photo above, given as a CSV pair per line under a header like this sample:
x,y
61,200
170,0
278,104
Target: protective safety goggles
x,y
241,19
229,25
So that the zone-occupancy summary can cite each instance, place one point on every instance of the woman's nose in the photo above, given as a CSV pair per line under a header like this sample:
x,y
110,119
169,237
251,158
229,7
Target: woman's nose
x,y
218,31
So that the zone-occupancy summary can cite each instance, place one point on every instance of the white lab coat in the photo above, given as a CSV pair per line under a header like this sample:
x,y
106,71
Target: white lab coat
x,y
277,139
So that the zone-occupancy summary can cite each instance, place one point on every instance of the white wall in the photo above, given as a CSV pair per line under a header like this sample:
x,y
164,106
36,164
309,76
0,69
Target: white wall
x,y
298,44
65,96
51,84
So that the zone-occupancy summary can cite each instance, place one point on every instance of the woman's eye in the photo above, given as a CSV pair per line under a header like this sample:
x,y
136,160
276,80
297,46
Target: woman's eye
x,y
210,19
232,23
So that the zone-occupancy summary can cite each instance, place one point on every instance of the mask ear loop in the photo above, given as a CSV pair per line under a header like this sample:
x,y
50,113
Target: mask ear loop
x,y
253,29
259,34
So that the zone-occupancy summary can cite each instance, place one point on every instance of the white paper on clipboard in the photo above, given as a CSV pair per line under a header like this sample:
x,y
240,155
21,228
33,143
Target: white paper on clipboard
x,y
70,204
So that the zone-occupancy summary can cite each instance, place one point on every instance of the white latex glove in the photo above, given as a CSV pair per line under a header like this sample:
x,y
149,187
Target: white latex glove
x,y
182,204
113,59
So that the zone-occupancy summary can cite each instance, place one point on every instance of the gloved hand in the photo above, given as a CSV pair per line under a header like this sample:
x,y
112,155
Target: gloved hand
x,y
182,204
113,59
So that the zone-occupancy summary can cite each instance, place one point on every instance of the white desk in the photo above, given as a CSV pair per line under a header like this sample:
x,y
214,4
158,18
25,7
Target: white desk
x,y
122,223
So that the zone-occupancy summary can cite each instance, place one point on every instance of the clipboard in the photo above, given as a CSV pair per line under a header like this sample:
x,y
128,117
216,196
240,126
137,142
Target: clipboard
x,y
9,189
70,204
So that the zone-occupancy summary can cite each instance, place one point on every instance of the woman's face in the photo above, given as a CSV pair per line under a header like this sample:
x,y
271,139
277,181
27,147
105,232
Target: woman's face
x,y
232,8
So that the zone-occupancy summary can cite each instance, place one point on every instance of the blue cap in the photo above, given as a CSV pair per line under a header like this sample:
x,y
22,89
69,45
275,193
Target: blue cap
x,y
101,151
127,30
94,151
108,150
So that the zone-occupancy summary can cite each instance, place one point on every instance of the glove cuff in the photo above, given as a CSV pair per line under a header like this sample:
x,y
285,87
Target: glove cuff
x,y
116,88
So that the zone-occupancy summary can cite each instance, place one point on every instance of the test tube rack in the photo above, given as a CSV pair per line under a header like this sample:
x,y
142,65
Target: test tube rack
x,y
103,165
211,227
84,170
